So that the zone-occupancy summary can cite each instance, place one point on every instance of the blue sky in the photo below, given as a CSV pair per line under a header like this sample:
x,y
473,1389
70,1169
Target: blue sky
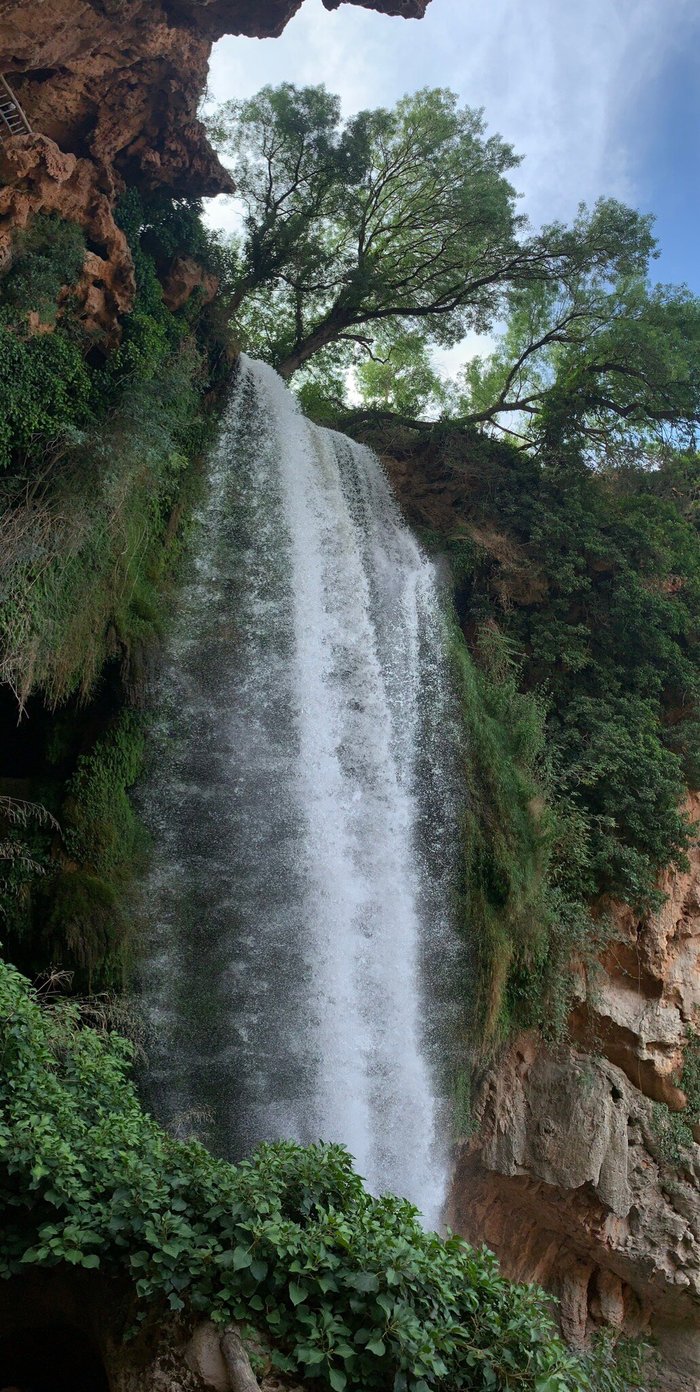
x,y
598,96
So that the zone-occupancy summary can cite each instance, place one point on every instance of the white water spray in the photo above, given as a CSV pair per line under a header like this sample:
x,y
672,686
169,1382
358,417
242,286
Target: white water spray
x,y
301,809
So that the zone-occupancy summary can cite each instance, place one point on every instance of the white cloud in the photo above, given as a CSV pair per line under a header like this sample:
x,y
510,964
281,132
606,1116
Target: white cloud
x,y
565,83
557,79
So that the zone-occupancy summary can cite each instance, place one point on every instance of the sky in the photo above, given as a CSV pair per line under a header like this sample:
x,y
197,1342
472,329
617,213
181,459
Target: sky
x,y
599,97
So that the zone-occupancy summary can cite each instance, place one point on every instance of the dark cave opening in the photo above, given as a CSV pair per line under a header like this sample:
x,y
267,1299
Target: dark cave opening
x,y
50,1358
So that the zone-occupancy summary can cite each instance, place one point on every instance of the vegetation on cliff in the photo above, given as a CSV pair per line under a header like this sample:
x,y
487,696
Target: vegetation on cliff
x,y
348,1290
576,589
99,458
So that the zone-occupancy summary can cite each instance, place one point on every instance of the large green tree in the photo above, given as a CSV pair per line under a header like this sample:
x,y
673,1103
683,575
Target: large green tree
x,y
398,220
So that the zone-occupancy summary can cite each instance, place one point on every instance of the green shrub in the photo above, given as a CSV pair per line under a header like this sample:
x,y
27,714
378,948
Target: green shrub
x,y
349,1290
99,824
45,395
48,257
595,579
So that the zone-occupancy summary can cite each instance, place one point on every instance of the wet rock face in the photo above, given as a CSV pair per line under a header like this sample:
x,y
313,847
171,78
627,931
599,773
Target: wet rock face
x,y
111,89
564,1176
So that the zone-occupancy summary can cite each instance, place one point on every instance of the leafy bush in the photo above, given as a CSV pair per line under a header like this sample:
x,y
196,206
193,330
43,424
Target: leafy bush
x,y
45,392
348,1289
48,257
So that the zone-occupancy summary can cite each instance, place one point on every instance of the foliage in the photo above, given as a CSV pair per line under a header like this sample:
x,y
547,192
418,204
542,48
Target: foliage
x,y
100,476
84,931
400,378
505,839
44,393
595,579
89,542
99,825
349,1290
525,855
674,1130
47,258
613,366
44,382
401,218
23,854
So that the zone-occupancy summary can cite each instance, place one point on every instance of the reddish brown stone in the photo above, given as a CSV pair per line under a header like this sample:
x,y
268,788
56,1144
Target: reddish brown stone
x,y
564,1176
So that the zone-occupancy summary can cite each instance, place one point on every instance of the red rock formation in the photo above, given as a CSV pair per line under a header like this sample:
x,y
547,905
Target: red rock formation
x,y
184,277
112,89
564,1175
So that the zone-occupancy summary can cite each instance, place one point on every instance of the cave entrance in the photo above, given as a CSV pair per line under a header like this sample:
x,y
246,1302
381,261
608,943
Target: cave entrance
x,y
50,1358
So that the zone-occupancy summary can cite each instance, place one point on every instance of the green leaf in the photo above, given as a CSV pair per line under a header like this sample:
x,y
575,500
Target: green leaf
x,y
337,1379
376,1346
297,1293
364,1281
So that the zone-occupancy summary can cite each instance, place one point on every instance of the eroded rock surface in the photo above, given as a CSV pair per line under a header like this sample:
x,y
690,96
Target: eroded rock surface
x,y
566,1176
111,89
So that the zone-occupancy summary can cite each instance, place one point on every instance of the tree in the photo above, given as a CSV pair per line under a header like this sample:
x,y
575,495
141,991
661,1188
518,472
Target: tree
x,y
399,220
613,368
400,377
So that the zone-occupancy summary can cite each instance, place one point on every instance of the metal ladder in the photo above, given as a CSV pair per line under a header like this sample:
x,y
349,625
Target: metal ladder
x,y
12,118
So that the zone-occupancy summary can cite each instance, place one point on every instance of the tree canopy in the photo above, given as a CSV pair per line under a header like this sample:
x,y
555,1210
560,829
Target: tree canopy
x,y
612,367
401,219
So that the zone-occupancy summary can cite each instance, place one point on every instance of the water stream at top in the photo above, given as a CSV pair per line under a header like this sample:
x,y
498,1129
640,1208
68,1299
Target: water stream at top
x,y
301,809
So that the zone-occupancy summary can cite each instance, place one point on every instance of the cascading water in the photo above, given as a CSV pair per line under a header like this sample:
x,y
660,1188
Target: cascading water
x,y
300,808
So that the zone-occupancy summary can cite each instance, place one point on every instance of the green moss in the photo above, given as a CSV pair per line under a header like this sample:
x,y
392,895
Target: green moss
x,y
84,931
100,828
525,918
505,834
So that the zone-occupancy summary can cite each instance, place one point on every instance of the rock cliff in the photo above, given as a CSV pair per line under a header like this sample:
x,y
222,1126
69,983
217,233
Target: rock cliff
x,y
572,1172
111,90
568,1175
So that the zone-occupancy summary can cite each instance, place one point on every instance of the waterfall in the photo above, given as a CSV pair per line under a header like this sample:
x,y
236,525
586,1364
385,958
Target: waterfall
x,y
300,809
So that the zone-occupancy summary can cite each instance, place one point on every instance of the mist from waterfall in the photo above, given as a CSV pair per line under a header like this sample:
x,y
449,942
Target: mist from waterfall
x,y
302,810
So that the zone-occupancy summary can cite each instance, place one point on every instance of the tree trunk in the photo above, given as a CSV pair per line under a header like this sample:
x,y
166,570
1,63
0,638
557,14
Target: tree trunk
x,y
237,1362
325,333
